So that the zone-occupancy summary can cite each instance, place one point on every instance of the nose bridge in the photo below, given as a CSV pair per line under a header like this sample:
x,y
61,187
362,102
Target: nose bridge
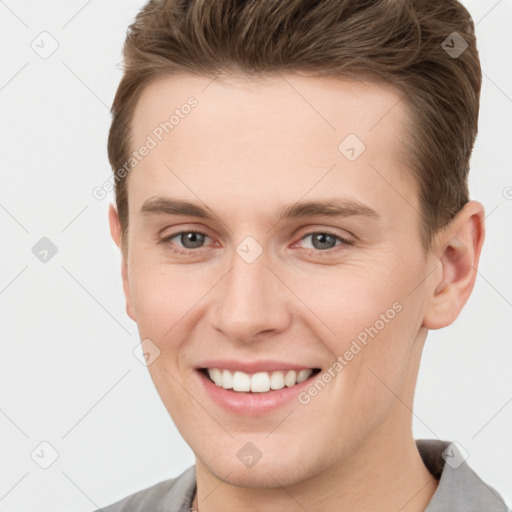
x,y
249,301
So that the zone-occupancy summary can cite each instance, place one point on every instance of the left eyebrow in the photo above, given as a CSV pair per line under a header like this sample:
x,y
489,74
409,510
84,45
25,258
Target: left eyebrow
x,y
327,208
324,208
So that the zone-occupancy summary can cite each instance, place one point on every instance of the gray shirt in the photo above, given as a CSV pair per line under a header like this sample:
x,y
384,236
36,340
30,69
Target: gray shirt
x,y
460,488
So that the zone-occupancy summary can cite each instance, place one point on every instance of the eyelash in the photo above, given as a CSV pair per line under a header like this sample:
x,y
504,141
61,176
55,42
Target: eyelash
x,y
186,252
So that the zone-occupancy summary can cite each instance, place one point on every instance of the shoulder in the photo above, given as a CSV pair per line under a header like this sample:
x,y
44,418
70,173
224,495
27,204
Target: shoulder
x,y
459,488
173,495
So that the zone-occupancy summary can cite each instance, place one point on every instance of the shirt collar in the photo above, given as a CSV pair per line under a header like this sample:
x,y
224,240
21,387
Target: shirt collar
x,y
460,488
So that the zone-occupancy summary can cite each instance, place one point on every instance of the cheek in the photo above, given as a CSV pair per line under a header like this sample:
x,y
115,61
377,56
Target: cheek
x,y
349,301
369,324
161,296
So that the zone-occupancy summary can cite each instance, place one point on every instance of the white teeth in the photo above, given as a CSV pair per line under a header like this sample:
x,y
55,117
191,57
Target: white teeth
x,y
277,380
227,380
216,376
260,382
303,375
290,378
241,381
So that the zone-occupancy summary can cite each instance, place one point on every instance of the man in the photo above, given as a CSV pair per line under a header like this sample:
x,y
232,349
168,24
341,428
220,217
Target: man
x,y
293,215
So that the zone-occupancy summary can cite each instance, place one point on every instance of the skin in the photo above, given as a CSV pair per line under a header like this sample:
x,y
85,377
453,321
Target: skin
x,y
247,149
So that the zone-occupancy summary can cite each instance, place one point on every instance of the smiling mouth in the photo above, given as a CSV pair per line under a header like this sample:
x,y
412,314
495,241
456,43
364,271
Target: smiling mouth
x,y
257,383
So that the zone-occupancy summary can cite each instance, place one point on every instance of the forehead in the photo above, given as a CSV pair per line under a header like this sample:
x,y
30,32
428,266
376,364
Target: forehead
x,y
330,106
275,136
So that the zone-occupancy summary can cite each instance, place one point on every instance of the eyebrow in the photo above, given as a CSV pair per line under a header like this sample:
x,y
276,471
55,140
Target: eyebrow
x,y
336,207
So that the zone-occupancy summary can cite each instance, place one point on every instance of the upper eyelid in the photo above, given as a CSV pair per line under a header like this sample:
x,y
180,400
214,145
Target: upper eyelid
x,y
315,229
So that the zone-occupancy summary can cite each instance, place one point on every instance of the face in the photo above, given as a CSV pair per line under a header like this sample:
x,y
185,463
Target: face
x,y
266,279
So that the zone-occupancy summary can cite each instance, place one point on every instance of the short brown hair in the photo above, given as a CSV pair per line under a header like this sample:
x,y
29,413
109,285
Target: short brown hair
x,y
403,42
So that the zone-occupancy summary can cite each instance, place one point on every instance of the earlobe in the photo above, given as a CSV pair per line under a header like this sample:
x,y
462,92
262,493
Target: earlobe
x,y
460,248
116,233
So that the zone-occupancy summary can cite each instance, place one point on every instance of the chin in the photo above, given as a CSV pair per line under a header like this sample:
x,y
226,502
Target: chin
x,y
269,472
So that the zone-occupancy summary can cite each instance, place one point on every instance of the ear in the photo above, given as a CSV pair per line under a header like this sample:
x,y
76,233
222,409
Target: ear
x,y
458,252
116,232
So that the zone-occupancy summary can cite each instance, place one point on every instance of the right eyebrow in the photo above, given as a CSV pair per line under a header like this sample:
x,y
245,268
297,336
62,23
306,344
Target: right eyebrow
x,y
174,206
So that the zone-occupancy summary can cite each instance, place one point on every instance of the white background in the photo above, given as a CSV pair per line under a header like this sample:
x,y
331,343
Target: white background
x,y
68,373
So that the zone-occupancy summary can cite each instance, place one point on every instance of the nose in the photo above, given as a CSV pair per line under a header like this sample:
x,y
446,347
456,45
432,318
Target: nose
x,y
252,302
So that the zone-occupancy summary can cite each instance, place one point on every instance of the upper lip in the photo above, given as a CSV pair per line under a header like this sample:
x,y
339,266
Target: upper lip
x,y
253,366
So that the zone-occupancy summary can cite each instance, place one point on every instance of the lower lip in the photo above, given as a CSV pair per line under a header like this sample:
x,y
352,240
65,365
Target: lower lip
x,y
253,404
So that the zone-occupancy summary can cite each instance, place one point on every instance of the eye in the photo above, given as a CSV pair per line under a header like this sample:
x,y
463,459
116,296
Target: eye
x,y
322,241
325,241
191,240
